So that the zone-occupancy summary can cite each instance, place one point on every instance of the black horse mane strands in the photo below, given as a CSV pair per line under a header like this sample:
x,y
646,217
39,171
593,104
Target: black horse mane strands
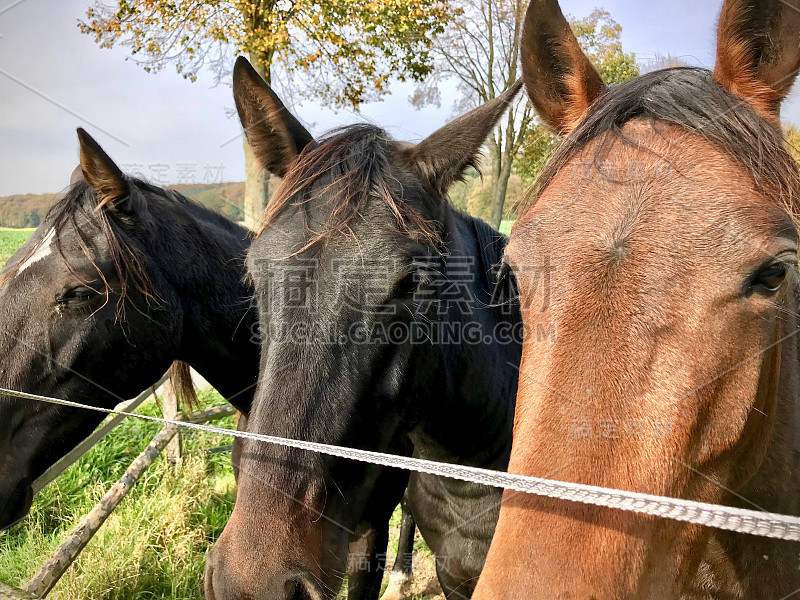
x,y
350,167
81,202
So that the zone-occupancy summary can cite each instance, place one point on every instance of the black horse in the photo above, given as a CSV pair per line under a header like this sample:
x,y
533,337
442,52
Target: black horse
x,y
379,326
121,279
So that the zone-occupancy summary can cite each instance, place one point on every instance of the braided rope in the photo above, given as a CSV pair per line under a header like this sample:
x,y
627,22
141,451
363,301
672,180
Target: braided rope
x,y
739,520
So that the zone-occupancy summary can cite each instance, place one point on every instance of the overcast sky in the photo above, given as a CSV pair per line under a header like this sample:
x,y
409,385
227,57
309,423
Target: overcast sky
x,y
171,129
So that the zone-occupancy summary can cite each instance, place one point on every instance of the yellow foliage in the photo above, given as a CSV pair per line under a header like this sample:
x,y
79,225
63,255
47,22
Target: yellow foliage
x,y
792,136
479,200
367,40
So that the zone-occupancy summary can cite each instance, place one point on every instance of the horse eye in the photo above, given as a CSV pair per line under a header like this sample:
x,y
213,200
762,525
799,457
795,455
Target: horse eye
x,y
421,275
771,278
76,295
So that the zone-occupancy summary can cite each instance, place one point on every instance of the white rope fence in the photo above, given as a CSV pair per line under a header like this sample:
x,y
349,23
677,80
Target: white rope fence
x,y
739,520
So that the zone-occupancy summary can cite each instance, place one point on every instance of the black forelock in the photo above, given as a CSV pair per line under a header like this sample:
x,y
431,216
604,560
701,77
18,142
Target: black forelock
x,y
80,204
349,167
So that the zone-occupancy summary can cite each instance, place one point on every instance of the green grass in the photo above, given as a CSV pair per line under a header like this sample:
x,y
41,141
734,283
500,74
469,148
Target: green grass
x,y
505,226
11,240
154,544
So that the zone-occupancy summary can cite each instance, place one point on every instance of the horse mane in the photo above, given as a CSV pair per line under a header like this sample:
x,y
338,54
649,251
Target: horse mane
x,y
180,377
80,201
350,166
690,98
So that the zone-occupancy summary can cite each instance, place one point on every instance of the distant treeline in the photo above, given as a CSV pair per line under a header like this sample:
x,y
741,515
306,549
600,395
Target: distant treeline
x,y
28,210
472,195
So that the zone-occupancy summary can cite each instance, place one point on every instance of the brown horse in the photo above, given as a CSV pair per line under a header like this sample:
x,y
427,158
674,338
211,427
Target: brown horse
x,y
666,220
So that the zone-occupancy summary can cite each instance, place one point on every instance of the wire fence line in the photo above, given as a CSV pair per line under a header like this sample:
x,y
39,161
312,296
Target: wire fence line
x,y
753,522
74,455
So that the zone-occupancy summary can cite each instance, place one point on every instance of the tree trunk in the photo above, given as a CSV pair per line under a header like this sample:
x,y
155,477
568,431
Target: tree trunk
x,y
494,143
502,158
500,186
256,187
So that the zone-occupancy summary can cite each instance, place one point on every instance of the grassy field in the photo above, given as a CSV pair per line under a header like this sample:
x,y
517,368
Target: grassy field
x,y
505,227
154,544
11,240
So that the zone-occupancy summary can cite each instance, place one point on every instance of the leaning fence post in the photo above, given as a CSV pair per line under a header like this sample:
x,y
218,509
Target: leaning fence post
x,y
171,412
76,541
57,564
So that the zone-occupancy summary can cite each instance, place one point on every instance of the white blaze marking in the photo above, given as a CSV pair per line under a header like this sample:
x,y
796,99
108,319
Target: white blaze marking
x,y
44,250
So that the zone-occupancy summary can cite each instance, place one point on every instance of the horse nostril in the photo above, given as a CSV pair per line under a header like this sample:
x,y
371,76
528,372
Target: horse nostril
x,y
208,585
290,590
295,590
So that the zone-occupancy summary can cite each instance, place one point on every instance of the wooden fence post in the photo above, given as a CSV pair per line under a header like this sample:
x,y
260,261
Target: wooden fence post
x,y
76,541
171,412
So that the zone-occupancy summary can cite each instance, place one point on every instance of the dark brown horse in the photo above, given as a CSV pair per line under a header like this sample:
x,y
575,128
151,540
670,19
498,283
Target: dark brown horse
x,y
379,329
667,216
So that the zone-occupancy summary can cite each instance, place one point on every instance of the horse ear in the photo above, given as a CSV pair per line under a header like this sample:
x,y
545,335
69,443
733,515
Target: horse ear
x,y
101,173
77,176
443,155
275,135
562,82
758,52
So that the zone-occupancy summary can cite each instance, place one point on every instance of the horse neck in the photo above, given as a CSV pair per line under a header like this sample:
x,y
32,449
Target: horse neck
x,y
480,380
219,319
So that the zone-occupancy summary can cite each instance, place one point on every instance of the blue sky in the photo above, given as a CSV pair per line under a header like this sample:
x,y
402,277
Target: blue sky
x,y
170,129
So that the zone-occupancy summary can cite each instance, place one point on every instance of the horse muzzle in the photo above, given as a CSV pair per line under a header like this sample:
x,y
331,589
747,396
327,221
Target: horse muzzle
x,y
232,577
